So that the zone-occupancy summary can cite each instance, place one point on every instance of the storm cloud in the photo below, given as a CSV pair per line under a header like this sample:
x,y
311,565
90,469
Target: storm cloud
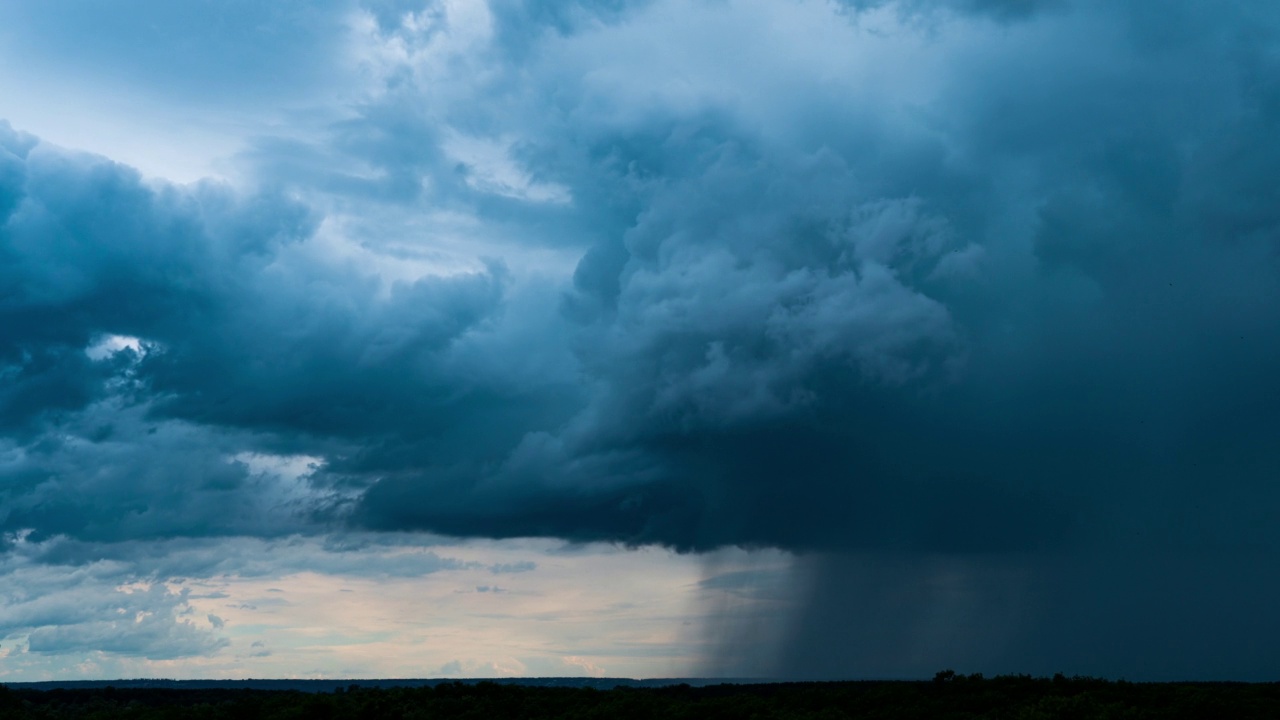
x,y
991,305
950,297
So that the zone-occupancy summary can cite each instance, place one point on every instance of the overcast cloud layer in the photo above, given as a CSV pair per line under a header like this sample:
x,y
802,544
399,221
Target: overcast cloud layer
x,y
973,303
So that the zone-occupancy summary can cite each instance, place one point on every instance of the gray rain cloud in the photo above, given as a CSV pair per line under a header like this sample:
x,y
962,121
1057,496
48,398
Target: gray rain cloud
x,y
973,302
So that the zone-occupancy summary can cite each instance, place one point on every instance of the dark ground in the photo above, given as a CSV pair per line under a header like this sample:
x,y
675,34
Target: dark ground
x,y
947,696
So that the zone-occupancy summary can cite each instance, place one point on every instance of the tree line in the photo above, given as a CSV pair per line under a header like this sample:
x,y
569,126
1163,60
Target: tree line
x,y
949,696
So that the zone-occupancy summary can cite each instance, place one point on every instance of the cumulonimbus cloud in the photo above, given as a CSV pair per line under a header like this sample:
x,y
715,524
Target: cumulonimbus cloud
x,y
945,286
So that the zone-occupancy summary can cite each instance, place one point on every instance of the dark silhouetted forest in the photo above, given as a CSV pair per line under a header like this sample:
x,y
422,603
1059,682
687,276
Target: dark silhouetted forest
x,y
948,696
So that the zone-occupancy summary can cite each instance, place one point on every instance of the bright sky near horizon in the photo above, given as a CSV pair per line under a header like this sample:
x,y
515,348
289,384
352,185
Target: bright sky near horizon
x,y
806,338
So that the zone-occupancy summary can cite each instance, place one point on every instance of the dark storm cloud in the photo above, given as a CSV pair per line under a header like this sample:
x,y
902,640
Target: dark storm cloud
x,y
231,344
998,314
941,280
1006,318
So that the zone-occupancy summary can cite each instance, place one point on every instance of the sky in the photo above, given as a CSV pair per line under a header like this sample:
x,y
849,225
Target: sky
x,y
646,338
